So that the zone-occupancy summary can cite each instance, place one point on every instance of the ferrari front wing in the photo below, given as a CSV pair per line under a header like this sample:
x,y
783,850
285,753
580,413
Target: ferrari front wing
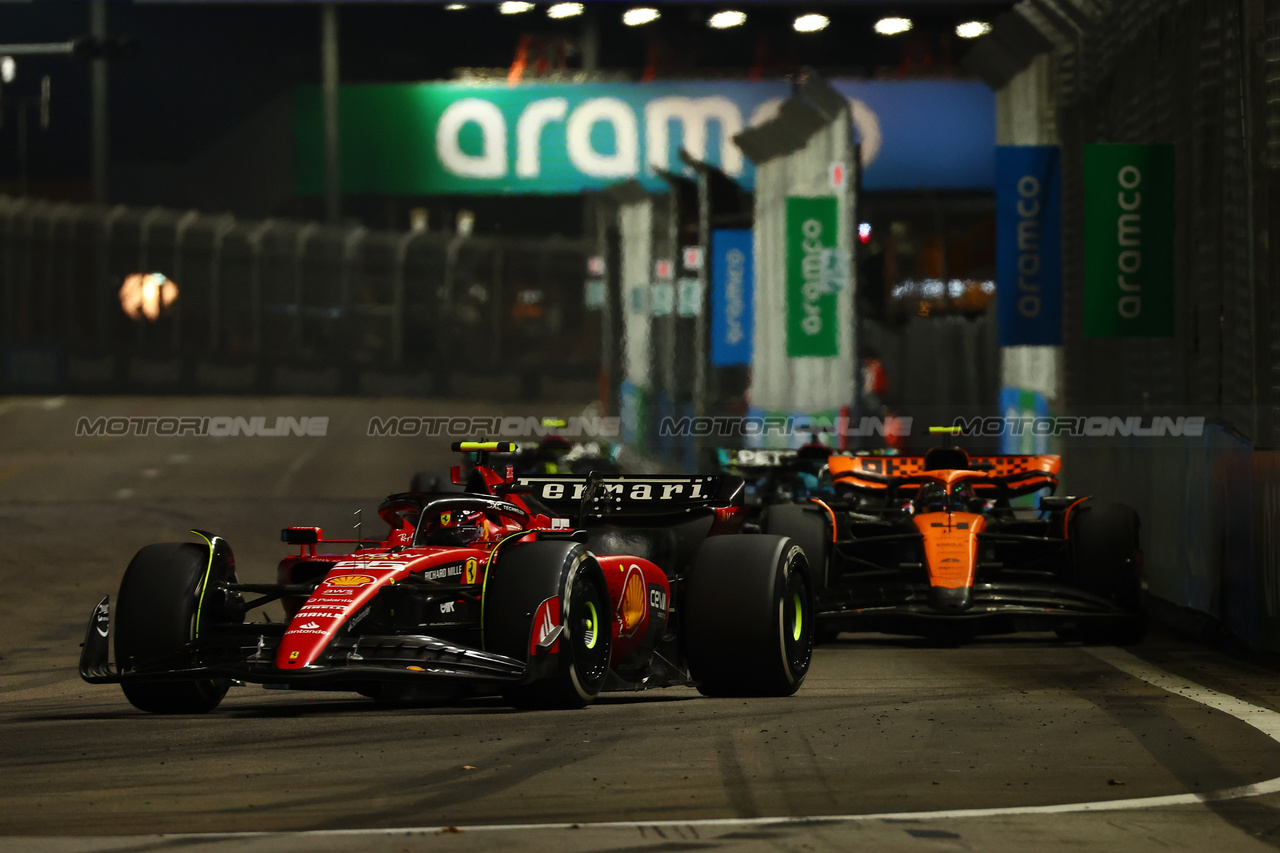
x,y
360,658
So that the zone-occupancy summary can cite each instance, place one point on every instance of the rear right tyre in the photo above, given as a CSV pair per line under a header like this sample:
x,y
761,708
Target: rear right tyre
x,y
748,621
810,527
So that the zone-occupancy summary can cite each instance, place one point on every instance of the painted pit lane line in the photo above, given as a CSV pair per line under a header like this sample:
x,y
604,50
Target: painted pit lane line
x,y
1262,719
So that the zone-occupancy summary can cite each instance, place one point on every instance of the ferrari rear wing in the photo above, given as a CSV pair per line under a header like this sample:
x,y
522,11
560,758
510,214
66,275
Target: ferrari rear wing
x,y
634,495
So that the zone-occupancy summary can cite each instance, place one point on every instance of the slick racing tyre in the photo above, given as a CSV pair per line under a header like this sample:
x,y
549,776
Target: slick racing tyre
x,y
810,527
568,581
748,628
158,612
1105,561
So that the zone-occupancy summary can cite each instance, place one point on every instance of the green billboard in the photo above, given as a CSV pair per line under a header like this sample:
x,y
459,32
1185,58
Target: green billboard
x,y
812,308
475,138
1129,200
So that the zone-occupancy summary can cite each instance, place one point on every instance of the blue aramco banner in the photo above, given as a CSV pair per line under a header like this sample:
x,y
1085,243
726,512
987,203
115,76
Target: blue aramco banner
x,y
732,294
1029,244
555,138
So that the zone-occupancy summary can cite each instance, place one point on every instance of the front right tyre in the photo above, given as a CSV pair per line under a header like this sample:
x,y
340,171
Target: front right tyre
x,y
158,614
572,672
1106,561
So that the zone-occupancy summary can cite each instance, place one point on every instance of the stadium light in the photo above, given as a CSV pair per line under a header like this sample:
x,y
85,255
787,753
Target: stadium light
x,y
726,19
564,10
514,7
147,295
8,69
640,16
893,26
811,23
972,29
455,7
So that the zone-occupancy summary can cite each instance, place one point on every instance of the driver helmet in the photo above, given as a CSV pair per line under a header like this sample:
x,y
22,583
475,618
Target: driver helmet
x,y
454,527
932,497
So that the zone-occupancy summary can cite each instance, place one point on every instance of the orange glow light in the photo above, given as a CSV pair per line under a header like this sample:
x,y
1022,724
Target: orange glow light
x,y
147,295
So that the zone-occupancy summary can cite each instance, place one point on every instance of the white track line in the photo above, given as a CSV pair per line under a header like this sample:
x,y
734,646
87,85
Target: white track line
x,y
1262,719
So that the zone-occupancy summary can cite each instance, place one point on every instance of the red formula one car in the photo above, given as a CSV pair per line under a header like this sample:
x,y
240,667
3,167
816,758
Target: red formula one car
x,y
630,582
934,545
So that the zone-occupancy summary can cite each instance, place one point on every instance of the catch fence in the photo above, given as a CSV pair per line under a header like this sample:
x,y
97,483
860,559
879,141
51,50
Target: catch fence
x,y
280,306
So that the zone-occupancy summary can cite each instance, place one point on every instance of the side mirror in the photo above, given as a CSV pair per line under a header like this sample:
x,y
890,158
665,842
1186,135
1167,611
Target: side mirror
x,y
1057,503
300,535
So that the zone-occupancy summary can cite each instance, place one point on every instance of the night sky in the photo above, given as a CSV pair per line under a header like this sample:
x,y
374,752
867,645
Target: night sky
x,y
205,66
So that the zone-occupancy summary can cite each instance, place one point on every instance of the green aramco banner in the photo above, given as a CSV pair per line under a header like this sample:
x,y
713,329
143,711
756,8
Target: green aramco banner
x,y
812,326
1129,196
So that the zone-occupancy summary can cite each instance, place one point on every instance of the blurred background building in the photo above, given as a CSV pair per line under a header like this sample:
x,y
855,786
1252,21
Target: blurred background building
x,y
378,275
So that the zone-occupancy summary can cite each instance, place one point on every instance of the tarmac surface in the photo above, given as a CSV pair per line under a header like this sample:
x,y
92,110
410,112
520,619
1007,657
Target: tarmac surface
x,y
1008,743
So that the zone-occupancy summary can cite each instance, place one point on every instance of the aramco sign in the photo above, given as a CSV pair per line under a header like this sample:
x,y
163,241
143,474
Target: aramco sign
x,y
429,138
1129,202
732,296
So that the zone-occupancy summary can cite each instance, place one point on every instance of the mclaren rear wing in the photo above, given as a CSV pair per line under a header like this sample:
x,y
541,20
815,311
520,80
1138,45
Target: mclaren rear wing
x,y
1019,475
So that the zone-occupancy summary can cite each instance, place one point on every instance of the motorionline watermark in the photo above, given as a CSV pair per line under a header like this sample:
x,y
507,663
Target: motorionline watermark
x,y
466,426
783,425
219,426
1080,426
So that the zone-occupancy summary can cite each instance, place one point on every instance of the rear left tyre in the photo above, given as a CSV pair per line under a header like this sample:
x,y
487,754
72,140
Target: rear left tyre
x,y
749,627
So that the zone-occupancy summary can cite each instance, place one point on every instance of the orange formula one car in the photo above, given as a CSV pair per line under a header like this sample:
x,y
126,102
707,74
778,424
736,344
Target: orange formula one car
x,y
933,545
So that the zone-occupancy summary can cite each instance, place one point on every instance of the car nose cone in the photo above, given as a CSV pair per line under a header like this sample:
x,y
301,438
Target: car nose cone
x,y
946,600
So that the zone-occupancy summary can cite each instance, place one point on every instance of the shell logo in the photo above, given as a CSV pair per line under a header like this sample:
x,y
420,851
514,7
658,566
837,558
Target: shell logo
x,y
632,605
469,572
349,580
